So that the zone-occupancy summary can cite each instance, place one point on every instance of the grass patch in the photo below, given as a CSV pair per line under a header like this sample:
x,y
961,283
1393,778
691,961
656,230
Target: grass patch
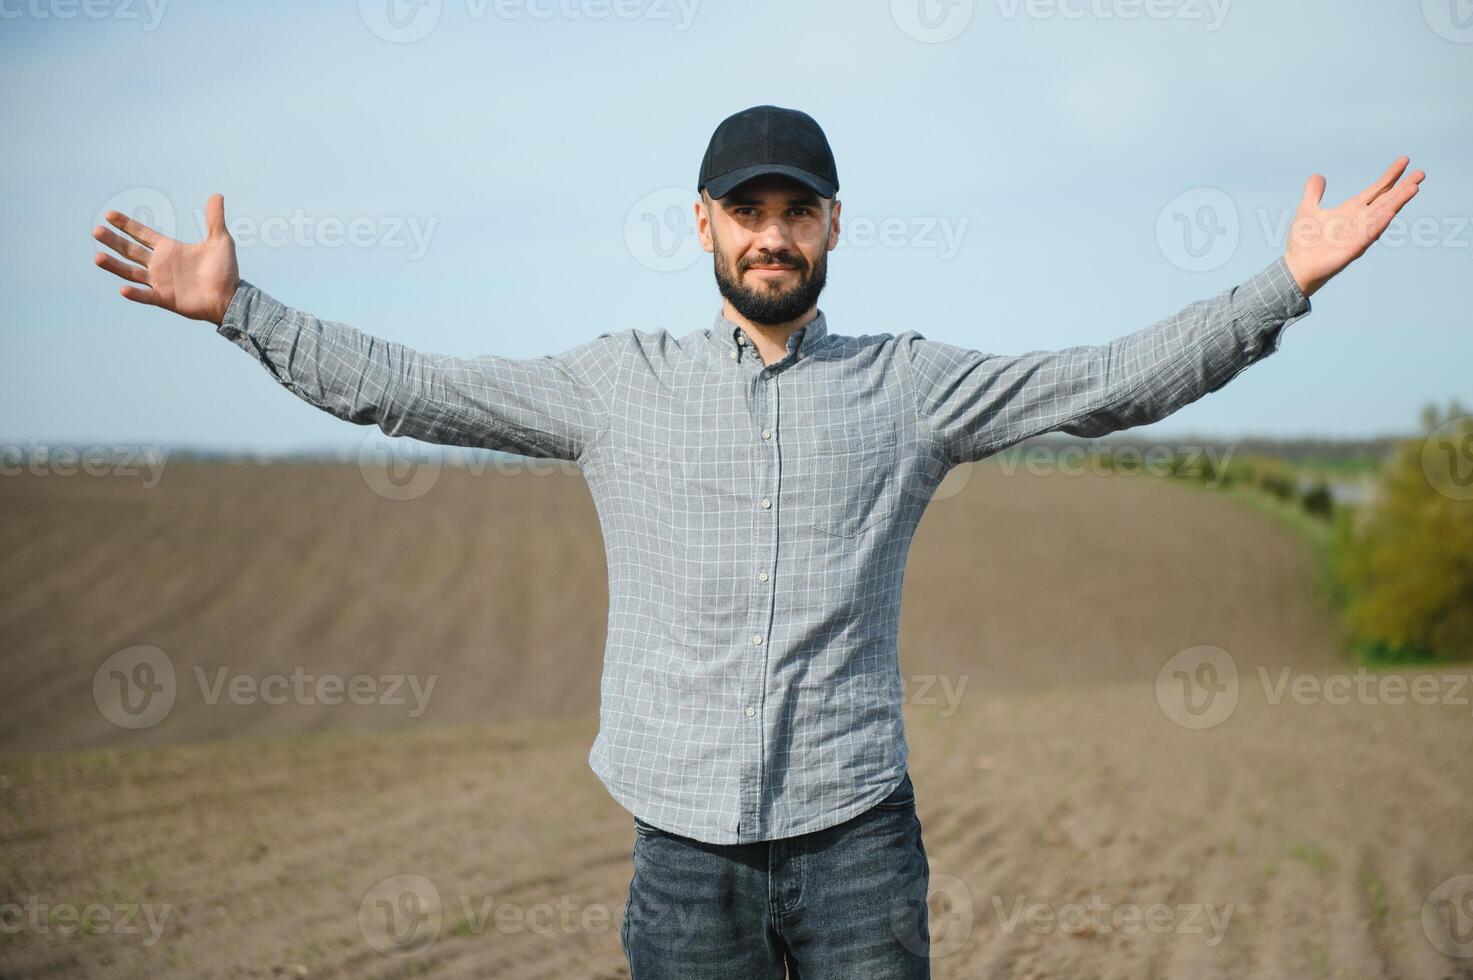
x,y
1376,898
1316,857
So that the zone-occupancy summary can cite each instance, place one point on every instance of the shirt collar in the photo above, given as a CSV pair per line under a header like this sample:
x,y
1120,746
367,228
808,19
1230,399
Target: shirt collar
x,y
732,338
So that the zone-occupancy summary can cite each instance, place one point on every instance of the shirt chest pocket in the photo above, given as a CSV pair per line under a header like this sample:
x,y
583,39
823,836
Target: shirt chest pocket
x,y
844,486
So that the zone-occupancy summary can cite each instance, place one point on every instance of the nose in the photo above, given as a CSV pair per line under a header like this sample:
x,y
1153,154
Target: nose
x,y
773,236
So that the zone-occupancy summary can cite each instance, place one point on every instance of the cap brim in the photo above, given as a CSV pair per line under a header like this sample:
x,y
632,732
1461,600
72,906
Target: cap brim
x,y
723,184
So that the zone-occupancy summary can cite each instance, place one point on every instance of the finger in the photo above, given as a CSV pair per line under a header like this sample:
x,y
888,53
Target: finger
x,y
121,269
146,296
215,216
1314,191
1390,204
140,231
121,245
1388,179
1379,221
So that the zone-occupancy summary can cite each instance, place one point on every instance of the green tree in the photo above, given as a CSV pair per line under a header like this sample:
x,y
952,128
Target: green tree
x,y
1405,572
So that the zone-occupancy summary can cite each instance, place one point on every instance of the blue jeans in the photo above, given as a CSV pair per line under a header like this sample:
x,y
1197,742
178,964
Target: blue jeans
x,y
845,903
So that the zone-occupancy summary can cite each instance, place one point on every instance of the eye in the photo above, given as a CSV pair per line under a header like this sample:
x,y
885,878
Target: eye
x,y
801,212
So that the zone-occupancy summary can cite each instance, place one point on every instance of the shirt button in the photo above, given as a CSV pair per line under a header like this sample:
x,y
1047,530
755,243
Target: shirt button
x,y
751,711
766,503
733,355
757,640
762,575
767,433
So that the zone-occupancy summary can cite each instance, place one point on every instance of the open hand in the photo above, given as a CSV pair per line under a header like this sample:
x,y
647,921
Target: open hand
x,y
195,280
1322,241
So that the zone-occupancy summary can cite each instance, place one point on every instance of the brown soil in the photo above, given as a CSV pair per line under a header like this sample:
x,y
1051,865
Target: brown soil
x,y
1038,613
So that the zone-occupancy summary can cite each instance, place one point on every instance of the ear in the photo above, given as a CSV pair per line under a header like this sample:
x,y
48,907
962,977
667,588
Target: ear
x,y
704,208
834,225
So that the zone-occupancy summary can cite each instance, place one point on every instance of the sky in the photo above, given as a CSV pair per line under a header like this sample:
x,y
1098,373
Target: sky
x,y
516,177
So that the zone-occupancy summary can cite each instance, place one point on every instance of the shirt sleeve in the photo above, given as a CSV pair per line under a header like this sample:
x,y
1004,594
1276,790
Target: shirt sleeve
x,y
974,404
554,406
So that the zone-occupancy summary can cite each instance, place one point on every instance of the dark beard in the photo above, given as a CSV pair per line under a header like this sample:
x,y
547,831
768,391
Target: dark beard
x,y
762,305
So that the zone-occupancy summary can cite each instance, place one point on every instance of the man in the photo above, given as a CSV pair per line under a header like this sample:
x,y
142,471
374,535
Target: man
x,y
758,484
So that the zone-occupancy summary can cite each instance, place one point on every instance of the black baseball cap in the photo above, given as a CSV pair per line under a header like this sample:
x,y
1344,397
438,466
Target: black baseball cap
x,y
767,139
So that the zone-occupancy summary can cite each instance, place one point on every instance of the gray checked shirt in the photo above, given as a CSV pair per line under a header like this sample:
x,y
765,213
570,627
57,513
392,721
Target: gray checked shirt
x,y
757,517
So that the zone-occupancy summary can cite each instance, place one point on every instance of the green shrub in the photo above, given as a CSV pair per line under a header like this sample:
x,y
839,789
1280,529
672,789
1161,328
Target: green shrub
x,y
1276,481
1207,472
1405,573
1317,500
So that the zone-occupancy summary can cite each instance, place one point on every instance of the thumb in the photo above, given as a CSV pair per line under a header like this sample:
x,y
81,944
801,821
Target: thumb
x,y
215,216
1314,191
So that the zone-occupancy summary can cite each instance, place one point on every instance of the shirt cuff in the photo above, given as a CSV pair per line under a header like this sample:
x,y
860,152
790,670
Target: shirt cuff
x,y
251,312
1275,302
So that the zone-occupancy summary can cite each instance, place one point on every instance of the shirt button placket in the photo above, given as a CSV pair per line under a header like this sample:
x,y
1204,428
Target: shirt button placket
x,y
765,405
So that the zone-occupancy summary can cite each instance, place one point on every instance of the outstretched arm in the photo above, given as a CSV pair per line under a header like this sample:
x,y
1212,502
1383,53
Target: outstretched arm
x,y
973,404
552,406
